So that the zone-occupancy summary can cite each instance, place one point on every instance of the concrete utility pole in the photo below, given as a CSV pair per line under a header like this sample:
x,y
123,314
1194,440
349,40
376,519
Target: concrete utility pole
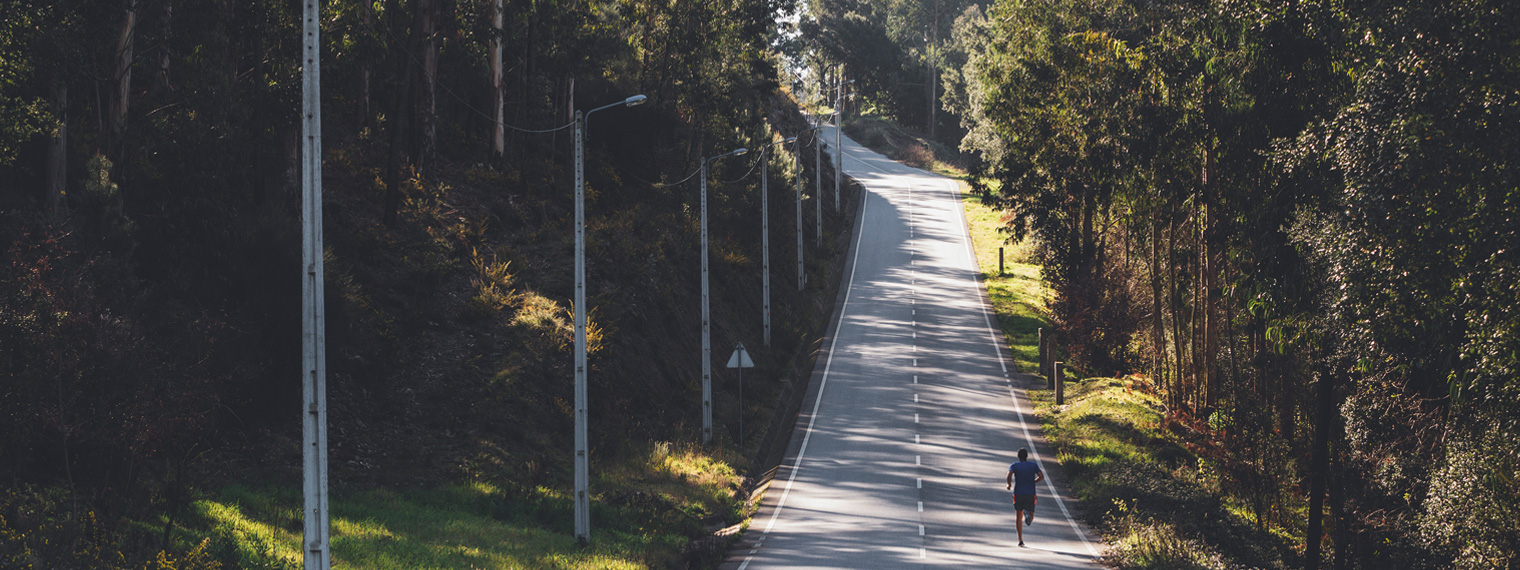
x,y
315,550
706,320
765,254
818,183
582,468
839,139
765,233
801,270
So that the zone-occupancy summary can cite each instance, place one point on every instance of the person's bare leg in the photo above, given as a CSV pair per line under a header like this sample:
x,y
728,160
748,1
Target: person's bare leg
x,y
1018,523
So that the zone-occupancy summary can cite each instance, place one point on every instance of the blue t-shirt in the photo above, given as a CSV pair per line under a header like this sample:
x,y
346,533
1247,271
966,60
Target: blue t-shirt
x,y
1023,477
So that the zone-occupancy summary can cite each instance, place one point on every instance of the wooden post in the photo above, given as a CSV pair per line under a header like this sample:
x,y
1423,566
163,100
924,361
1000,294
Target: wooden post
x,y
1060,368
1000,262
1040,360
1049,362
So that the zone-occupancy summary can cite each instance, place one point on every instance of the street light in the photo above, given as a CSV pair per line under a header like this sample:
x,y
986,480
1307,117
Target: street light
x,y
765,236
706,321
582,474
839,140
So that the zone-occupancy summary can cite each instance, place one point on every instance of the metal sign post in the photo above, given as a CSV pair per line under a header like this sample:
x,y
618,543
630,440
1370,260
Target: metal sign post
x,y
315,550
740,359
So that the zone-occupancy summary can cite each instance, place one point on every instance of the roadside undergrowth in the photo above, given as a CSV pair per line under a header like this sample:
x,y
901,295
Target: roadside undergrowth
x,y
1145,491
646,508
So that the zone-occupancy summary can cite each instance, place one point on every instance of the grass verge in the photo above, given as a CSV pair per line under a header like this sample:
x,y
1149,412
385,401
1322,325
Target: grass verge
x,y
1017,290
1143,488
647,509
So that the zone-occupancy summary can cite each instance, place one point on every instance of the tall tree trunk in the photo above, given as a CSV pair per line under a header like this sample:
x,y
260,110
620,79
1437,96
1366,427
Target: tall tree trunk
x,y
1158,352
122,77
427,91
58,146
933,69
529,70
1195,315
1210,320
399,125
163,49
1286,403
1179,347
1337,492
364,66
1318,467
498,88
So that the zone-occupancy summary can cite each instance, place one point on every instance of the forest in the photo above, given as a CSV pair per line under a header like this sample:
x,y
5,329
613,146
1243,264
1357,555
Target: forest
x,y
149,300
1295,221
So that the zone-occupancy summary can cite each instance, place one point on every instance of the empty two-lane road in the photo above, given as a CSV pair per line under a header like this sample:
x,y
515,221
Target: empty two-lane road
x,y
900,454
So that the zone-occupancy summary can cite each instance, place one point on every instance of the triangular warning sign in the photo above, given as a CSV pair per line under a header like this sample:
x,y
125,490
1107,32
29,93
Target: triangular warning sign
x,y
740,358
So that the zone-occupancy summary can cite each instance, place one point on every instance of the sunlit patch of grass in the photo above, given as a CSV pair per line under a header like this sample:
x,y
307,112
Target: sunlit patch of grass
x,y
1103,422
1147,544
1018,293
444,528
646,506
1116,455
698,481
249,529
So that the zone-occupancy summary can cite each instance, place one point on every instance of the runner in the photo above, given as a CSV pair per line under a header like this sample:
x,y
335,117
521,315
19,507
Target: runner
x,y
1027,474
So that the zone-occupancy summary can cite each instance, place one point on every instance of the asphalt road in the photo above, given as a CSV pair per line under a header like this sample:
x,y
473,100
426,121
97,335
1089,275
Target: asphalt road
x,y
902,447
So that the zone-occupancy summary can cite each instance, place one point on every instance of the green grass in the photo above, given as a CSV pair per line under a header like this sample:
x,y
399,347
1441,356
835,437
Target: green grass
x,y
1143,488
1018,294
644,511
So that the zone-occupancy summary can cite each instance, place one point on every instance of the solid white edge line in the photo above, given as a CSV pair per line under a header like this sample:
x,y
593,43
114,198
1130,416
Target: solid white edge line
x,y
1017,408
823,382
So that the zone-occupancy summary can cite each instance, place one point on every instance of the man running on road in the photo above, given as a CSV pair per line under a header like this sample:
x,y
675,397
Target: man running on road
x,y
1027,474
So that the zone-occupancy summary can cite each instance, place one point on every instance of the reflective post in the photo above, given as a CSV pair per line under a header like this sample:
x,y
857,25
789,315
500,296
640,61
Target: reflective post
x,y
1060,373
